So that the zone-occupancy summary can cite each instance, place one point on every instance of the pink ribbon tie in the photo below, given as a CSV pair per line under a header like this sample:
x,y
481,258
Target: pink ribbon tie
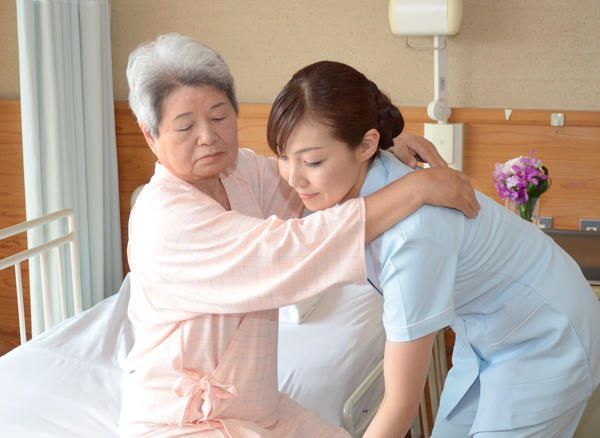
x,y
192,386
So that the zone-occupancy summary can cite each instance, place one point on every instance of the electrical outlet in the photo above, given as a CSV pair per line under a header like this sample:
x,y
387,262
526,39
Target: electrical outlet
x,y
589,224
557,119
545,222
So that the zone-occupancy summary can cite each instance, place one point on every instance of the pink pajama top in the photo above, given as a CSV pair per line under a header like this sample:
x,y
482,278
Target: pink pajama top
x,y
205,287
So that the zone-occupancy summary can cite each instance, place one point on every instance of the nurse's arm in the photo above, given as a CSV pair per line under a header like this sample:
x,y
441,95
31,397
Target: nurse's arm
x,y
405,367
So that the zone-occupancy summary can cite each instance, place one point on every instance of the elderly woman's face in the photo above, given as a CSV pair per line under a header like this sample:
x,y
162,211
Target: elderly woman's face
x,y
197,136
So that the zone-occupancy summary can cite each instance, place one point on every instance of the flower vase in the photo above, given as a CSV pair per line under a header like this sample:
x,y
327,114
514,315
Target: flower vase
x,y
530,211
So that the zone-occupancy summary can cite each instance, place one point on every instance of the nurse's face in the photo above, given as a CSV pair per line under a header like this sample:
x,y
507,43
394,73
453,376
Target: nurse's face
x,y
323,170
197,135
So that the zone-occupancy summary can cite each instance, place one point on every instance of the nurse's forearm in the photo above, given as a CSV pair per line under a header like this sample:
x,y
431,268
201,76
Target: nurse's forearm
x,y
390,422
405,366
443,187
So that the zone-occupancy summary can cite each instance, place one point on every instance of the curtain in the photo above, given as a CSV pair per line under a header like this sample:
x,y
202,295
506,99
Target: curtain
x,y
69,147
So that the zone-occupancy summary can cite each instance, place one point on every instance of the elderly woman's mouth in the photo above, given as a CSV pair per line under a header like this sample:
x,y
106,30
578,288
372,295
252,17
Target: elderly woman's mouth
x,y
211,157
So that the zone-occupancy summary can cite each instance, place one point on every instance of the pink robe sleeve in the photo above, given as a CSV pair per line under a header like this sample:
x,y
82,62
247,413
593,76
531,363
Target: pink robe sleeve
x,y
273,193
190,255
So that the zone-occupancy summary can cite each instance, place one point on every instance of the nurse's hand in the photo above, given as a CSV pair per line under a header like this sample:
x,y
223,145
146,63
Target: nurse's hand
x,y
446,187
410,149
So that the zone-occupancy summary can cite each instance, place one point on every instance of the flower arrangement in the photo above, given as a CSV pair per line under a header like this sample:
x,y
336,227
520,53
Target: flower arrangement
x,y
522,181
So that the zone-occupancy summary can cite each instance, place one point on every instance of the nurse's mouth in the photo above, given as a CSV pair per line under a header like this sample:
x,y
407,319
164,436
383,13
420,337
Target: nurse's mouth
x,y
305,197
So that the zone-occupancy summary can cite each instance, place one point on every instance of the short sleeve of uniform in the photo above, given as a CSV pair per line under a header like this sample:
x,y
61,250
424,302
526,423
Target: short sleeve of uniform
x,y
418,280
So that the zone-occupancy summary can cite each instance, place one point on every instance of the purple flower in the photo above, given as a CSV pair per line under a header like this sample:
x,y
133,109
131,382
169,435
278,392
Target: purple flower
x,y
520,179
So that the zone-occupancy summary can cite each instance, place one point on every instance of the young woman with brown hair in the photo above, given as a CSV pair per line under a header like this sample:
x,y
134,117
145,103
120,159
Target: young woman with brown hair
x,y
527,352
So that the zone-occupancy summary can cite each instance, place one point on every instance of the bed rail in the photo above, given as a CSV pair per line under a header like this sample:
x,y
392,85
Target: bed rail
x,y
438,369
42,250
357,430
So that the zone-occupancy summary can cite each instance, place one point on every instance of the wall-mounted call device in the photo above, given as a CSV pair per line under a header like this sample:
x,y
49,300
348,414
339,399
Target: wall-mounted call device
x,y
438,18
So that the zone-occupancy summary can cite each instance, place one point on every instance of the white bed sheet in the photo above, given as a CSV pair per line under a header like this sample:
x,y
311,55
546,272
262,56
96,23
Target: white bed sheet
x,y
324,359
66,382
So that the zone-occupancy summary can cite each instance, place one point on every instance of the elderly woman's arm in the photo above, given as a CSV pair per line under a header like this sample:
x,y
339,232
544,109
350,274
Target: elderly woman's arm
x,y
193,256
190,255
442,187
439,186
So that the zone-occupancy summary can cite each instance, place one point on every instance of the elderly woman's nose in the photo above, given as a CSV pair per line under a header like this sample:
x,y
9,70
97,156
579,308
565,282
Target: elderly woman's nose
x,y
206,135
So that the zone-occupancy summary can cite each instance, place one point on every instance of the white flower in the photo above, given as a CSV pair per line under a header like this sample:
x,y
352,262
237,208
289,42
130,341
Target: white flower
x,y
507,168
537,163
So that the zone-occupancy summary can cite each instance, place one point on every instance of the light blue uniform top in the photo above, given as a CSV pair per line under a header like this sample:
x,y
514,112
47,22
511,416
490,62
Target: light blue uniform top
x,y
527,322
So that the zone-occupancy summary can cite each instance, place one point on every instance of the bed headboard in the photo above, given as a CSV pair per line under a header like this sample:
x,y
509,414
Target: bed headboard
x,y
572,153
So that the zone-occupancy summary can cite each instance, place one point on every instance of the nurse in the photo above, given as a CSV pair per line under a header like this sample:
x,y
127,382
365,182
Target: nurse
x,y
215,247
527,324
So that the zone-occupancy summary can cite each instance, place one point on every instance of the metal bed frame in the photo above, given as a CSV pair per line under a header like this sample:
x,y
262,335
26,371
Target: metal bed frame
x,y
43,250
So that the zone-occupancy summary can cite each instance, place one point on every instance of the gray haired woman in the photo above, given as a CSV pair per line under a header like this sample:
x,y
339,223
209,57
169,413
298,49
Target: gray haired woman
x,y
216,246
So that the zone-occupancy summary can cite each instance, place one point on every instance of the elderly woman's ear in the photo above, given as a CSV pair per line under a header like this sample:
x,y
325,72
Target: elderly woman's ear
x,y
149,138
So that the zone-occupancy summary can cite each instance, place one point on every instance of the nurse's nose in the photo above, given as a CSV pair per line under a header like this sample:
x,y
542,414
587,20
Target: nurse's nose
x,y
295,177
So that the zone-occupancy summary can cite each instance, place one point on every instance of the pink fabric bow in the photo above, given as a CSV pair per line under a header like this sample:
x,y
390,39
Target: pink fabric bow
x,y
191,385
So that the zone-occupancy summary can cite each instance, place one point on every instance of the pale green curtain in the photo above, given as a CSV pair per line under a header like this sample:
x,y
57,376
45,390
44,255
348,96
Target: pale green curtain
x,y
69,150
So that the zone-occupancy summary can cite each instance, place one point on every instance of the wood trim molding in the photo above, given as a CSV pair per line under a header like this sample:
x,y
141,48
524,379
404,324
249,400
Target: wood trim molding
x,y
497,117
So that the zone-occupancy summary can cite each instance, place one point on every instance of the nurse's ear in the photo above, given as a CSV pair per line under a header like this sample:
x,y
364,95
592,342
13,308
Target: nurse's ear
x,y
368,146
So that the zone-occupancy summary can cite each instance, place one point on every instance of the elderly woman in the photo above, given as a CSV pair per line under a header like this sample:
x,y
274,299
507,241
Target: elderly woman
x,y
215,245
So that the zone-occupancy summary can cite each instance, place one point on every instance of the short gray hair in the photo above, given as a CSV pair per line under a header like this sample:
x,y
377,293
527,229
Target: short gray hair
x,y
158,67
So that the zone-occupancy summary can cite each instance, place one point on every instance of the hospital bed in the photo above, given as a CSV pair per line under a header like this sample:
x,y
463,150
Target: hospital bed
x,y
66,381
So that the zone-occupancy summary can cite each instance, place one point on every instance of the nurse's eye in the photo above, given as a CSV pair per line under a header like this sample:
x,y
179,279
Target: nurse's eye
x,y
282,157
218,119
312,163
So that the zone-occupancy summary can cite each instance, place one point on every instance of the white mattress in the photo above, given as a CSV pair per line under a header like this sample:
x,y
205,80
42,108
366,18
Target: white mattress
x,y
324,359
66,382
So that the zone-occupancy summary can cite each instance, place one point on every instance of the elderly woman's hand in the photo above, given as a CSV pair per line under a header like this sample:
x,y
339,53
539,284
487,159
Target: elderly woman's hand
x,y
410,149
446,187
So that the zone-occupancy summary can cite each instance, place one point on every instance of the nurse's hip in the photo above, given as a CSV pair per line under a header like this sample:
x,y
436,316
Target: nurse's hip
x,y
562,426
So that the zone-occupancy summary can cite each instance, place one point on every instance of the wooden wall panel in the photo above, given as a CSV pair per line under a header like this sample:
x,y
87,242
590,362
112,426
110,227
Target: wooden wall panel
x,y
252,127
135,163
12,211
572,154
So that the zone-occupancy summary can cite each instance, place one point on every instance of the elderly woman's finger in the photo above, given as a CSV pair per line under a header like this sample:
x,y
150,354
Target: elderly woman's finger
x,y
471,199
419,148
404,154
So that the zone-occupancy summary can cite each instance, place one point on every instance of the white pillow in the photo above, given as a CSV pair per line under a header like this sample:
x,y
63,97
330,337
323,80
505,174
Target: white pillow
x,y
299,312
135,195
